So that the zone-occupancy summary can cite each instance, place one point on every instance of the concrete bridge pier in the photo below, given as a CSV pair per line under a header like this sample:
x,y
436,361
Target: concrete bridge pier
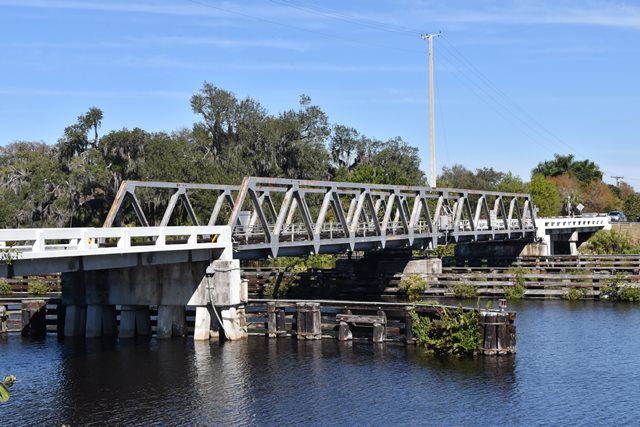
x,y
171,321
101,320
220,290
75,320
134,321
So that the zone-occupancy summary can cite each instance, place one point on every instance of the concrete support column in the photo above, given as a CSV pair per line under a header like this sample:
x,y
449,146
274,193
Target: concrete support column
x,y
101,320
202,327
222,289
235,323
75,320
171,321
549,245
134,321
573,243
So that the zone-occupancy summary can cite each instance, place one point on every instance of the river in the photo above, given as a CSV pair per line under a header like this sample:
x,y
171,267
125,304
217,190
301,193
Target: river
x,y
577,364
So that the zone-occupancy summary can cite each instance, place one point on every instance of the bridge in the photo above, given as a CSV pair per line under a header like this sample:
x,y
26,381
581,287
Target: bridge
x,y
172,266
283,217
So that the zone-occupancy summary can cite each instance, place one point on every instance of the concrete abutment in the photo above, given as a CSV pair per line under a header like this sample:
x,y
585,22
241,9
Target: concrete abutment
x,y
90,299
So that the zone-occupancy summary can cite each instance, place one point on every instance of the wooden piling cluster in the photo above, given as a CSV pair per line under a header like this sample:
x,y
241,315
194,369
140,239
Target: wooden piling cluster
x,y
378,322
498,332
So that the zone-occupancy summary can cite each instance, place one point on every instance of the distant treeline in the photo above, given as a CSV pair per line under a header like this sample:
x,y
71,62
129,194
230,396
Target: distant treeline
x,y
73,182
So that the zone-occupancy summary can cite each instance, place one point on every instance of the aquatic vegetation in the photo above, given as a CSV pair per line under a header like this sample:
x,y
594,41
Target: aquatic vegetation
x,y
464,290
514,292
574,294
6,383
413,286
452,333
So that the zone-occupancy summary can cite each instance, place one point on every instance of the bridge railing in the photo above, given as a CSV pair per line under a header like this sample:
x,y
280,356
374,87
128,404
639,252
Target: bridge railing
x,y
69,242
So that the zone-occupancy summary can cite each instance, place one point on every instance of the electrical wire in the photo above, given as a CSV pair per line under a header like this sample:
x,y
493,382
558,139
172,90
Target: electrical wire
x,y
209,275
213,307
480,85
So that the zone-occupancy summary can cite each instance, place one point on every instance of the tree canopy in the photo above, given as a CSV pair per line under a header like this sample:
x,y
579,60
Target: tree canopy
x,y
73,182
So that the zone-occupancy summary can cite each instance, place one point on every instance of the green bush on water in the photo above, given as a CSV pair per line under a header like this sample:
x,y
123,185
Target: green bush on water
x,y
574,294
413,286
514,292
464,290
5,288
454,333
6,383
622,292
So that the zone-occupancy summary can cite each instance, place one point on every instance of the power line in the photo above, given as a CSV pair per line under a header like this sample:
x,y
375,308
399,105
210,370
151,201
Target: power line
x,y
504,96
475,79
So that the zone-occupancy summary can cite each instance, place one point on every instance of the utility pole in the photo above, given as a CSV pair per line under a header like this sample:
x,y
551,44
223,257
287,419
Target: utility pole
x,y
432,129
617,178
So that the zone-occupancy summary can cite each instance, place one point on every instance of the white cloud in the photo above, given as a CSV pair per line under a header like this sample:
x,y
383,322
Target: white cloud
x,y
94,93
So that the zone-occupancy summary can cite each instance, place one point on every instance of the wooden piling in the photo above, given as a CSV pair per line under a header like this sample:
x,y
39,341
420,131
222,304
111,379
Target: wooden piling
x,y
408,326
344,333
34,315
380,328
3,319
271,320
497,333
309,321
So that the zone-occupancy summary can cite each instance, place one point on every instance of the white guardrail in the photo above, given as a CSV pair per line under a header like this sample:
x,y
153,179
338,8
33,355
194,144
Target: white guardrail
x,y
576,222
36,243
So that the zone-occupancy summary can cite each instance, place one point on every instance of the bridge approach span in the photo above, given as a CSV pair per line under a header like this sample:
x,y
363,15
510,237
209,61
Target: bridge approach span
x,y
283,217
46,250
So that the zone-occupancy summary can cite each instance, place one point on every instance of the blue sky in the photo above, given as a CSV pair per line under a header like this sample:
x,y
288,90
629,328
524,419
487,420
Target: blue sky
x,y
516,81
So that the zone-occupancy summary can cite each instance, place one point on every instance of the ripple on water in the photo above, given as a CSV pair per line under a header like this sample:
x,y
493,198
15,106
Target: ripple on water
x,y
576,364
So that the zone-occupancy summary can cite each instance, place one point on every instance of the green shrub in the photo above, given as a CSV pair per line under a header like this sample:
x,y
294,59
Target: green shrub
x,y
574,294
629,293
5,385
280,285
414,286
514,292
626,293
610,242
38,287
519,273
442,251
5,288
453,333
464,290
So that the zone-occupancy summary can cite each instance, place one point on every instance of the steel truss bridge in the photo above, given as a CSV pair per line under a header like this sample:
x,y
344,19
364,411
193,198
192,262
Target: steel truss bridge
x,y
284,217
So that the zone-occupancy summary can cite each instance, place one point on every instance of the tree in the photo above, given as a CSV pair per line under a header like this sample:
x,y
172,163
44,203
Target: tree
x,y
123,152
218,109
511,183
395,163
545,196
76,140
343,147
598,197
632,206
585,171
457,176
570,191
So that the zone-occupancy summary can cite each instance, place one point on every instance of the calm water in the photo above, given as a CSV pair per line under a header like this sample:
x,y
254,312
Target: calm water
x,y
577,364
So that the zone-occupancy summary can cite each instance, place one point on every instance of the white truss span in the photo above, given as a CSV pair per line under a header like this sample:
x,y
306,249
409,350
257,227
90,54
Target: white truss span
x,y
271,217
